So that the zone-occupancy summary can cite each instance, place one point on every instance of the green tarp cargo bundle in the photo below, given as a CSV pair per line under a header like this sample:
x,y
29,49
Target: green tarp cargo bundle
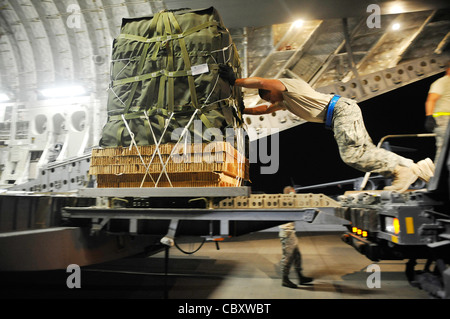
x,y
165,76
166,93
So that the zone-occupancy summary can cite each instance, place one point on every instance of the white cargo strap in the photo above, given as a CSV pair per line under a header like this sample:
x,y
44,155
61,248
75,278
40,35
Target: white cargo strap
x,y
225,60
175,147
133,142
157,143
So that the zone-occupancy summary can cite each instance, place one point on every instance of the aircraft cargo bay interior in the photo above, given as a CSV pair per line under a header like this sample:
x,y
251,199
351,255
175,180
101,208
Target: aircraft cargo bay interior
x,y
252,151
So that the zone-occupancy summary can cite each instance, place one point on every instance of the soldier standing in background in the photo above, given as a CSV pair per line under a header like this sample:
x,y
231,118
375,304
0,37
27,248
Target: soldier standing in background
x,y
437,109
290,252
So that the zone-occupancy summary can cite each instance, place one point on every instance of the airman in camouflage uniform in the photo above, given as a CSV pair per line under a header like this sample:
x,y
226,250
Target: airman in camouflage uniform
x,y
355,145
358,151
290,256
290,252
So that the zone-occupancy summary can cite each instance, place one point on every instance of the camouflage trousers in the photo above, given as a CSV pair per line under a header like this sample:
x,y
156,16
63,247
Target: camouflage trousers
x,y
440,130
290,253
355,145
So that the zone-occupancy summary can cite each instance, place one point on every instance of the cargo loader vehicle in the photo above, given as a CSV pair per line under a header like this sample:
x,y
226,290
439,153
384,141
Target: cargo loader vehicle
x,y
409,226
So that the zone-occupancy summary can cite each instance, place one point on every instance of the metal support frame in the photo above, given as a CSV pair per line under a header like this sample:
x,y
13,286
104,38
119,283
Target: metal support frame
x,y
351,60
224,216
97,226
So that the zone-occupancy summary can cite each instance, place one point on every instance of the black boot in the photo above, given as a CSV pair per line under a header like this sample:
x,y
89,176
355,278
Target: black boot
x,y
303,279
287,283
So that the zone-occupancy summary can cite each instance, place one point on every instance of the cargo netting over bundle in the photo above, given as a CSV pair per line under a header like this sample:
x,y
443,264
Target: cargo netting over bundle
x,y
165,74
165,89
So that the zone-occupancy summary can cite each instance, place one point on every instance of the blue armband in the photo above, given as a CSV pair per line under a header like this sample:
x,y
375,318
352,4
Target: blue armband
x,y
330,110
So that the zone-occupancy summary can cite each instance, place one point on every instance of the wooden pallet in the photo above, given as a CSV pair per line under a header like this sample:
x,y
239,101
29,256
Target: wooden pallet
x,y
216,164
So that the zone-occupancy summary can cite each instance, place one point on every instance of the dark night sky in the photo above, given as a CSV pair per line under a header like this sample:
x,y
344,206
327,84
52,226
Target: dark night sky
x,y
309,154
